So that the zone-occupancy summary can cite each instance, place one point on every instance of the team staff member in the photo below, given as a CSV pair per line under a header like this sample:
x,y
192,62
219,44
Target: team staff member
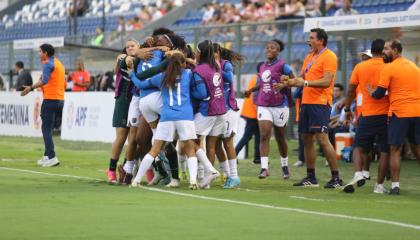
x,y
372,123
249,113
316,107
401,78
53,85
80,77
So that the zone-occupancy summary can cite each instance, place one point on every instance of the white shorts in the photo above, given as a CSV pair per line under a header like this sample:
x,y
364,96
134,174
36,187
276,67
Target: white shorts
x,y
150,106
210,125
168,131
279,116
134,112
231,124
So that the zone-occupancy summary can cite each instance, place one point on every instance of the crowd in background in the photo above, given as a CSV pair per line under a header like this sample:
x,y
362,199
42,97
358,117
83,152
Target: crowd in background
x,y
269,10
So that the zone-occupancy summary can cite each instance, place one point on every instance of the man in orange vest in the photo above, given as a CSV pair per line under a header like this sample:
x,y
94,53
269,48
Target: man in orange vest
x,y
53,85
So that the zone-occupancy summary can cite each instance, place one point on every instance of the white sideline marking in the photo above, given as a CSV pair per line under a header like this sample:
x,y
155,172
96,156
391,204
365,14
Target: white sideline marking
x,y
51,174
324,214
7,160
310,199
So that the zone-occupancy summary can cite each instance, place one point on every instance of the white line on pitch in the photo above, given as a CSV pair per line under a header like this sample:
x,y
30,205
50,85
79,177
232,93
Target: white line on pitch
x,y
310,199
342,216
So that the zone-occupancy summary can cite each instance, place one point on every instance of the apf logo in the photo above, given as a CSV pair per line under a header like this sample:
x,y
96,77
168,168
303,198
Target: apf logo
x,y
266,76
81,115
37,113
76,116
217,79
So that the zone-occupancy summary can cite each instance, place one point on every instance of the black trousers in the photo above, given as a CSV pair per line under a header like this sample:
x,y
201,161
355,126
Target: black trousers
x,y
251,129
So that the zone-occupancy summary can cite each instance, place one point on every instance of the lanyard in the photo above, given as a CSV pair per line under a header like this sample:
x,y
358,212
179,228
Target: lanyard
x,y
313,60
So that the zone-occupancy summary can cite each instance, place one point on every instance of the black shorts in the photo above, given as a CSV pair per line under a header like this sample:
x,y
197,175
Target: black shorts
x,y
314,118
371,129
400,128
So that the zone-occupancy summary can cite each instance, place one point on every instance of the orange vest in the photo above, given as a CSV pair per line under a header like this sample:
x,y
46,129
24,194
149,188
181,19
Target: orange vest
x,y
56,85
298,103
249,110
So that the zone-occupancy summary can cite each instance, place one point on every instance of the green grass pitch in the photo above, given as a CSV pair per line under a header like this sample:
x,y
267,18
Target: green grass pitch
x,y
39,206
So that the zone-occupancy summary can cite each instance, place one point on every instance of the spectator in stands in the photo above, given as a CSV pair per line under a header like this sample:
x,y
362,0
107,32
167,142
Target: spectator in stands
x,y
144,15
312,8
81,7
333,5
137,24
24,77
121,25
157,13
296,9
129,25
346,10
208,13
246,10
80,77
98,39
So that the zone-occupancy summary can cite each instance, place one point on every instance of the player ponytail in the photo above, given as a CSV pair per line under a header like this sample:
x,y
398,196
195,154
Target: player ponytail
x,y
206,51
227,54
174,69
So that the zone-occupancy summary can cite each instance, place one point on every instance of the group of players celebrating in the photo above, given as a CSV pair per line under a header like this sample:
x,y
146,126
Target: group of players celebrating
x,y
176,108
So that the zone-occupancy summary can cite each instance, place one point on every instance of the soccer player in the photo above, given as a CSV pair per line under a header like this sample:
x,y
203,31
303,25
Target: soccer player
x,y
316,107
53,85
176,117
401,78
123,95
372,122
210,119
226,58
273,105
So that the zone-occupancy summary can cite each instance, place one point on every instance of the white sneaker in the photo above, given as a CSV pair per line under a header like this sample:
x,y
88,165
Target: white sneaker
x,y
380,189
349,188
209,179
41,161
156,179
135,184
173,184
298,164
51,162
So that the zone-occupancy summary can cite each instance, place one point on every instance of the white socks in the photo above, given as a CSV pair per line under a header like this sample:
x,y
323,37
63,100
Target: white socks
x,y
233,166
395,184
284,161
182,162
224,167
366,174
264,162
192,168
144,166
200,171
128,166
202,158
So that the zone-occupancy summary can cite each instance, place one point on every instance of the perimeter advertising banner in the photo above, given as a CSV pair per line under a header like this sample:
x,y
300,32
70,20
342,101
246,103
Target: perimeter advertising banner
x,y
88,117
20,116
